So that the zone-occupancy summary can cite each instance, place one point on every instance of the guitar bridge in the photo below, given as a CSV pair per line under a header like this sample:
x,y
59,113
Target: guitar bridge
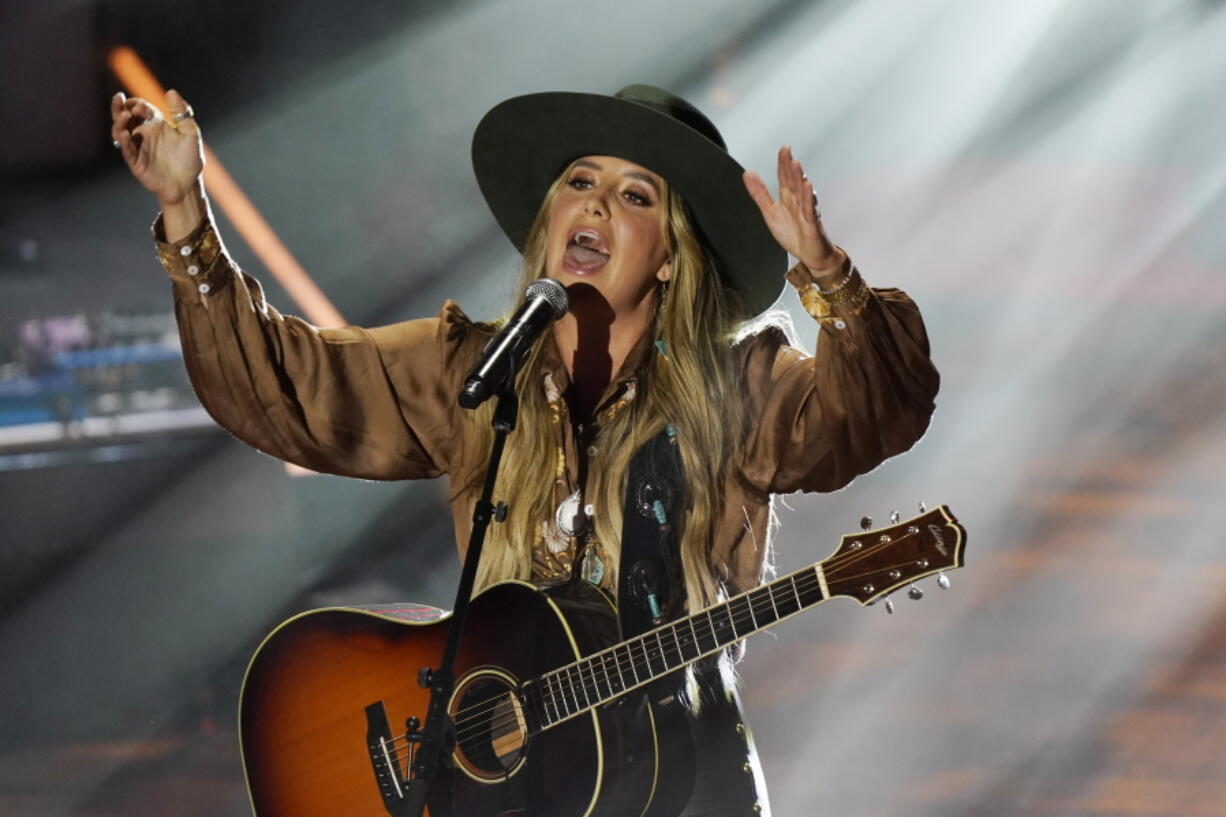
x,y
385,759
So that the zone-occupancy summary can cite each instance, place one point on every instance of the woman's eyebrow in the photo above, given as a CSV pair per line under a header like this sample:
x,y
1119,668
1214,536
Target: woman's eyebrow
x,y
634,174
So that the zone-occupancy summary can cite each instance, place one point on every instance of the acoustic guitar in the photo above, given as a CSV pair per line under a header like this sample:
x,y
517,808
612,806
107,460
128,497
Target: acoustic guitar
x,y
553,714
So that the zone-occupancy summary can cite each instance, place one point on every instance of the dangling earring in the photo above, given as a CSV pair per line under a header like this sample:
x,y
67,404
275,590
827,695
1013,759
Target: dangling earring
x,y
661,297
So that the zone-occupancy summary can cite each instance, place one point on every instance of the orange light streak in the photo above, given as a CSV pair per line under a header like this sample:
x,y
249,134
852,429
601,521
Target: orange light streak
x,y
315,306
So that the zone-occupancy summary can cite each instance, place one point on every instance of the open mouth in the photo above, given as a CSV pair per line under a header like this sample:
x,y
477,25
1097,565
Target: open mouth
x,y
586,251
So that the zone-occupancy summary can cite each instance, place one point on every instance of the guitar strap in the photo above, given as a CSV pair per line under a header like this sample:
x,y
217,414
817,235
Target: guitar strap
x,y
650,586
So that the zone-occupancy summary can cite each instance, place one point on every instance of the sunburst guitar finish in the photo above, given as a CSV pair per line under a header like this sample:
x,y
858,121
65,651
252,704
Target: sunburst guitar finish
x,y
306,736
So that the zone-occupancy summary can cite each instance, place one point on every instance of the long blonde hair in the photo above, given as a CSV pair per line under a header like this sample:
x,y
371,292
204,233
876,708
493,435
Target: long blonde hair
x,y
692,386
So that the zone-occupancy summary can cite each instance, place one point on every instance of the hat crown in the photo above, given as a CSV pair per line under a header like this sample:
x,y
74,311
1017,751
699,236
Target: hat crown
x,y
674,107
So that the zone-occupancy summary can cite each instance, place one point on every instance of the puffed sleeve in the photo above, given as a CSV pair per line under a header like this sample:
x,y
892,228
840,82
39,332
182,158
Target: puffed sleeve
x,y
371,403
818,422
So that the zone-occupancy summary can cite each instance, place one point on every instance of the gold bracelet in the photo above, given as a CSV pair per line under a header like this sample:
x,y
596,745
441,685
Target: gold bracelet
x,y
852,295
825,293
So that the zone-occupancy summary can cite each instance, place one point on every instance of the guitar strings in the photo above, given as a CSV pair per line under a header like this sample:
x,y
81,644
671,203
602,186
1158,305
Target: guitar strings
x,y
751,605
626,660
742,612
480,719
739,610
567,695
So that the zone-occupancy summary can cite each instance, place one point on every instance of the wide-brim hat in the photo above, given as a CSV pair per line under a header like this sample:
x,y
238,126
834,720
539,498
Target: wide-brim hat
x,y
523,143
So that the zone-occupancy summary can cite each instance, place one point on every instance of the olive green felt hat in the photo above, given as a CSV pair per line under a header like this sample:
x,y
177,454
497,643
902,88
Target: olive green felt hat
x,y
523,143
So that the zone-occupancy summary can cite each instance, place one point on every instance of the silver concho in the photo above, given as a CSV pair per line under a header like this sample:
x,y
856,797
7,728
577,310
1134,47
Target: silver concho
x,y
569,516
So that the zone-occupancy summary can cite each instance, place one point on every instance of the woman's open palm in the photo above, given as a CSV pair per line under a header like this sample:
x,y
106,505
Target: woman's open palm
x,y
793,220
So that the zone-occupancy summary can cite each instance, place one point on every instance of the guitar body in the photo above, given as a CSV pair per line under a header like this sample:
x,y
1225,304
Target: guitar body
x,y
306,712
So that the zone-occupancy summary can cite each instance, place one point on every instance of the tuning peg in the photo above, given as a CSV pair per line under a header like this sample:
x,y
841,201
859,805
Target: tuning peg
x,y
942,580
915,593
889,607
894,517
866,522
923,508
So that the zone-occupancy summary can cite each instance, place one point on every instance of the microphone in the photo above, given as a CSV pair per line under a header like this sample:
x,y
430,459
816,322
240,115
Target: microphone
x,y
544,302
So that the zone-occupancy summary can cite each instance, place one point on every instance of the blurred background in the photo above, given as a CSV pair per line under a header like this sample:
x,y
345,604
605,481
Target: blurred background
x,y
1046,179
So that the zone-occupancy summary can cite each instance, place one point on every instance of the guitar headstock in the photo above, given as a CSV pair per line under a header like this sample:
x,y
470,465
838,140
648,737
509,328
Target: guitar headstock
x,y
874,563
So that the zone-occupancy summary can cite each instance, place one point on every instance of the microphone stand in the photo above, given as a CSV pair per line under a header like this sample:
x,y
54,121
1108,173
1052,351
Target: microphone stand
x,y
437,736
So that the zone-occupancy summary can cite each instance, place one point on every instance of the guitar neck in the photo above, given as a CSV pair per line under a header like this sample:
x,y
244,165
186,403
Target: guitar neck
x,y
575,688
866,566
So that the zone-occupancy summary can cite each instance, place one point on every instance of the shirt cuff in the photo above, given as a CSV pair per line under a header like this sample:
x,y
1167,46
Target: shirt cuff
x,y
845,299
192,259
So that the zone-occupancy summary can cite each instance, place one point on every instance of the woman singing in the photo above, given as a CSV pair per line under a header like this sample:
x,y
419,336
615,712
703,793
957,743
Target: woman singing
x,y
657,417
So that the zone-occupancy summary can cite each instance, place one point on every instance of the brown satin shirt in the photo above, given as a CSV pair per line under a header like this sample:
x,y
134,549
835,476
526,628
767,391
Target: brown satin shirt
x,y
381,403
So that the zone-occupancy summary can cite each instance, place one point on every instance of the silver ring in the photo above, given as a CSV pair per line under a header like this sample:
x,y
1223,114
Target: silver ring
x,y
181,115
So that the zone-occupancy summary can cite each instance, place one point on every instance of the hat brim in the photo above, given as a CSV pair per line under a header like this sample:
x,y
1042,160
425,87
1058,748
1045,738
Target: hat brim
x,y
523,143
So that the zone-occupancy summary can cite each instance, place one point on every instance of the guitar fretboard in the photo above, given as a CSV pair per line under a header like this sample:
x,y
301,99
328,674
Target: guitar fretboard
x,y
575,688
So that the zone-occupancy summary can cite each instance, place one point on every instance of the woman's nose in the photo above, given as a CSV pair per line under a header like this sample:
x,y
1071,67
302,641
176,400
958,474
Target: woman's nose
x,y
594,204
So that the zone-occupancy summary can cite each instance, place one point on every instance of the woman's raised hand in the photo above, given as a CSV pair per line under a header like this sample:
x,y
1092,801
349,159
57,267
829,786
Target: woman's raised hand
x,y
794,220
166,157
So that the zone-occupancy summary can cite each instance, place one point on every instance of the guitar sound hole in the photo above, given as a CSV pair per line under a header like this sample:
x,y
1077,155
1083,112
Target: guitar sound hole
x,y
490,730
